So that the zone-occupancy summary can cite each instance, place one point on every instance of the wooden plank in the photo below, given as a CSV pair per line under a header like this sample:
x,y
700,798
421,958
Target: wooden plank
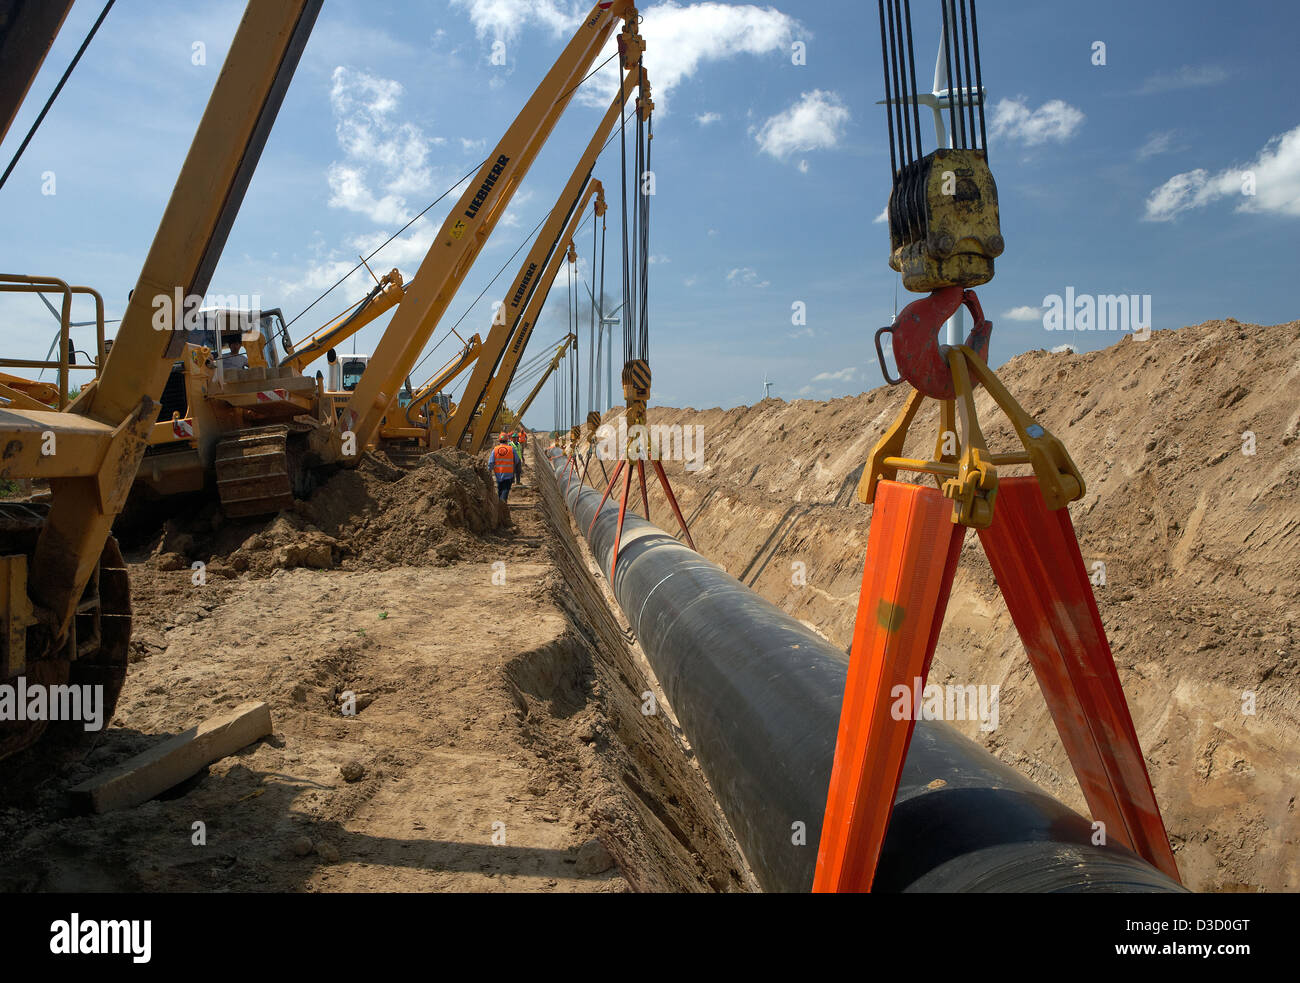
x,y
151,772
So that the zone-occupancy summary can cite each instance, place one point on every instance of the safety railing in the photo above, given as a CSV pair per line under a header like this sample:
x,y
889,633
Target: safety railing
x,y
20,283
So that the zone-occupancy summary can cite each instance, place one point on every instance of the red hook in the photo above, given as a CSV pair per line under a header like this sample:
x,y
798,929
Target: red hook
x,y
921,360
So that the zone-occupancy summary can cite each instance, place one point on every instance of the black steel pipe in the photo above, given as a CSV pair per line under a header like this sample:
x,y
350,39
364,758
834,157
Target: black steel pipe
x,y
758,695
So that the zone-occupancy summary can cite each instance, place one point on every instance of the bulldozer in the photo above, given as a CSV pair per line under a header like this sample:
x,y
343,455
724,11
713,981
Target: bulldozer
x,y
64,591
239,414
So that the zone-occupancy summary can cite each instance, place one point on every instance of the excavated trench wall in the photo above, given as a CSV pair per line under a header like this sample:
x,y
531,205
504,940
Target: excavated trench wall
x,y
678,838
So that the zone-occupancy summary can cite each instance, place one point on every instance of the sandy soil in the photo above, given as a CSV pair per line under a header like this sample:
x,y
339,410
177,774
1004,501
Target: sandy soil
x,y
1200,543
512,707
482,758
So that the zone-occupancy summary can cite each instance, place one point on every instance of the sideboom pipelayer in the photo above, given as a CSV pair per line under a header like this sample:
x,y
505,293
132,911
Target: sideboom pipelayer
x,y
66,603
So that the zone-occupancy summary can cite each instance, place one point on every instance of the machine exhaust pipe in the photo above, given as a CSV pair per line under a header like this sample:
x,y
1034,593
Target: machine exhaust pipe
x,y
758,695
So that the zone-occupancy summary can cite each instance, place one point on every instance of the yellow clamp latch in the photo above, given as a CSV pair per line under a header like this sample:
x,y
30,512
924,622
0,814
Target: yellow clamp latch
x,y
966,470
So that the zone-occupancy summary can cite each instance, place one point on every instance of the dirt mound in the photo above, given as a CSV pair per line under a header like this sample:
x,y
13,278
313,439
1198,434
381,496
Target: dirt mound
x,y
374,517
436,514
1190,447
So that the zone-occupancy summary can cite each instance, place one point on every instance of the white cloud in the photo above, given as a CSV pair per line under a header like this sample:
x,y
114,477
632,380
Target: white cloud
x,y
883,217
384,164
369,130
406,251
803,167
1187,77
1053,120
707,119
1159,142
1065,350
348,190
503,19
744,276
815,122
843,375
1180,193
379,148
680,37
659,259
1024,314
1275,175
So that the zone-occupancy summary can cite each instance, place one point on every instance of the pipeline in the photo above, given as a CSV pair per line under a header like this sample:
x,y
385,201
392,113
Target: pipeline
x,y
758,695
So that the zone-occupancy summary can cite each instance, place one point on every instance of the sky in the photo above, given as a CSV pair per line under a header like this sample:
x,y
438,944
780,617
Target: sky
x,y
1144,149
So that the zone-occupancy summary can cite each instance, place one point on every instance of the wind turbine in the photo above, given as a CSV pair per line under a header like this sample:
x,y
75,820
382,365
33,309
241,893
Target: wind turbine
x,y
58,334
607,323
941,99
767,387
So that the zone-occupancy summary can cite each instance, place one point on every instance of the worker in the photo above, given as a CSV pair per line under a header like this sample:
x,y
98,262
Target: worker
x,y
234,359
505,465
519,459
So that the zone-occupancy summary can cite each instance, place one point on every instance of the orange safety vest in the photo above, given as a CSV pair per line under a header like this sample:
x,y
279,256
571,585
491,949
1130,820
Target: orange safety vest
x,y
503,460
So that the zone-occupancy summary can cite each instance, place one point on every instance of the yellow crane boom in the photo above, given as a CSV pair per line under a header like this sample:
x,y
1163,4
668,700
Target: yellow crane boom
x,y
184,253
387,294
408,433
472,220
56,629
496,392
445,376
506,321
550,371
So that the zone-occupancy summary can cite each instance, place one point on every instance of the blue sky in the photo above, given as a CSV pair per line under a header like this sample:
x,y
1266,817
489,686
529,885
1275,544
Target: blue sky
x,y
1126,177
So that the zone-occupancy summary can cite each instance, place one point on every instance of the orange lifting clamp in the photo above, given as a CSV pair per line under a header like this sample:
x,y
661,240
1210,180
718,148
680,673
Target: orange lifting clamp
x,y
912,550
636,390
593,425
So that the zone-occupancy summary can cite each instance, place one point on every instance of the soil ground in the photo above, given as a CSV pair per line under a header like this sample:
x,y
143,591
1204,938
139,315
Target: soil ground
x,y
483,756
499,743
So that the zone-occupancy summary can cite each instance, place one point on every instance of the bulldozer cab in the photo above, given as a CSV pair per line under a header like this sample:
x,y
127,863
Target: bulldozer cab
x,y
216,329
346,372
255,331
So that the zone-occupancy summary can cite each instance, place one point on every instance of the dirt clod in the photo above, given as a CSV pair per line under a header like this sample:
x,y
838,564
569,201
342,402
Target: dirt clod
x,y
593,858
352,771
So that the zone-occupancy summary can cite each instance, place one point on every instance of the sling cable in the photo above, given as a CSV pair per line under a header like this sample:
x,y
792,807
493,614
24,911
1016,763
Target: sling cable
x,y
636,319
944,235
595,345
575,376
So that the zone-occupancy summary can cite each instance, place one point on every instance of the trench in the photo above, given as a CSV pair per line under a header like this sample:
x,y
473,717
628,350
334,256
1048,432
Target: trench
x,y
759,693
589,702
